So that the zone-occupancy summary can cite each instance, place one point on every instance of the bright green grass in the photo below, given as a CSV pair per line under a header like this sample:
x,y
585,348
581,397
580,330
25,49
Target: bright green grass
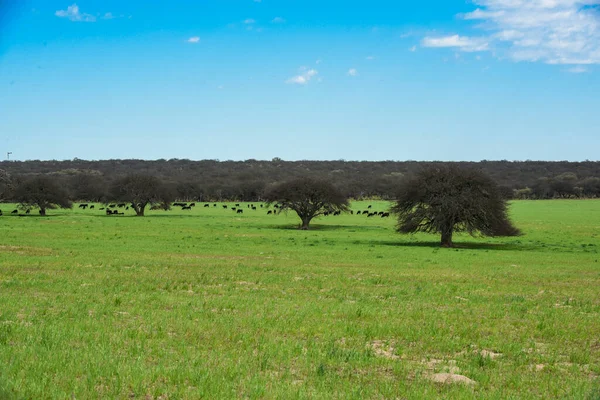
x,y
211,304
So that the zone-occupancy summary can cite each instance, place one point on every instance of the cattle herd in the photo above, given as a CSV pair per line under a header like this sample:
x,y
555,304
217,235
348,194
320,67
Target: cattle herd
x,y
120,208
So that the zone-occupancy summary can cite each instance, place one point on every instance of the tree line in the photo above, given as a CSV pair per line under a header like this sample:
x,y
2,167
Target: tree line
x,y
438,199
212,180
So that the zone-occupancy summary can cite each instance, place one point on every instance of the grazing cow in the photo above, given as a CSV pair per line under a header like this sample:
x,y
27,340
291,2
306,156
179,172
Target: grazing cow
x,y
365,212
237,204
214,205
126,208
186,207
261,206
233,208
371,215
369,206
83,206
101,209
15,212
240,211
108,212
254,208
192,204
91,207
112,205
385,215
28,211
0,213
121,205
224,205
269,212
206,205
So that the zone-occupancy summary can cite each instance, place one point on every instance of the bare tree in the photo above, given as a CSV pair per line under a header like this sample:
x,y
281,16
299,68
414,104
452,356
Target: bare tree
x,y
446,199
308,197
141,191
42,192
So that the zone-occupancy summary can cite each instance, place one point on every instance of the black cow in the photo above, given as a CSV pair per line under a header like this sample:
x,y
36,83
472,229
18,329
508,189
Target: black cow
x,y
15,212
369,206
240,211
206,205
91,207
224,205
385,215
192,204
83,206
269,212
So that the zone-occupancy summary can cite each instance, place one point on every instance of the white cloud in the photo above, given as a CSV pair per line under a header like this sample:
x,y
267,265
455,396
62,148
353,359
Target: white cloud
x,y
549,31
413,49
304,77
194,39
72,13
249,21
318,62
463,43
278,20
352,72
108,16
370,58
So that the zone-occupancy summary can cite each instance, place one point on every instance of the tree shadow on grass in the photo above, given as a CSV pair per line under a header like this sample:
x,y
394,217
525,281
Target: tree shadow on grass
x,y
459,245
321,228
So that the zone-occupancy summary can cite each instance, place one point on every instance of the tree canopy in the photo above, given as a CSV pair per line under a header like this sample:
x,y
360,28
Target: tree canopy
x,y
308,197
42,192
141,191
446,199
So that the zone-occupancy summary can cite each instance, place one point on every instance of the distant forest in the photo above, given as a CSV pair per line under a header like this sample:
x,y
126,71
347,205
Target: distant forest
x,y
213,180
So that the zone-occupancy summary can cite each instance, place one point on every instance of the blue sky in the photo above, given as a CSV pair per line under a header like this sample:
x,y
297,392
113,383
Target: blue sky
x,y
322,80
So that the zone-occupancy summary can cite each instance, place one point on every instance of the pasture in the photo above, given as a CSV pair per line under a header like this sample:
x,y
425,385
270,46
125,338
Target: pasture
x,y
207,303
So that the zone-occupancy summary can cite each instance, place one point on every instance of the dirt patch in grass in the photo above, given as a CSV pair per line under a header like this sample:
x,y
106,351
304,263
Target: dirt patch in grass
x,y
26,251
448,379
383,349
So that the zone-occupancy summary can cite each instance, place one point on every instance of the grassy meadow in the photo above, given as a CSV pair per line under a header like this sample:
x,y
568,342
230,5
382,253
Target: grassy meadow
x,y
212,304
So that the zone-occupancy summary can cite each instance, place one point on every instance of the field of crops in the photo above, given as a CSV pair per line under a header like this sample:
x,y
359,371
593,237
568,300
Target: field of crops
x,y
210,304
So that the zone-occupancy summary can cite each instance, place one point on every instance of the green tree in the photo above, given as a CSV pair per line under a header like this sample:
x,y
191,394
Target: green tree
x,y
445,199
141,191
42,192
308,197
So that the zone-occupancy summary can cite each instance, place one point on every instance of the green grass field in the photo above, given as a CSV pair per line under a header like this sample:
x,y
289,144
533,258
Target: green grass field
x,y
211,304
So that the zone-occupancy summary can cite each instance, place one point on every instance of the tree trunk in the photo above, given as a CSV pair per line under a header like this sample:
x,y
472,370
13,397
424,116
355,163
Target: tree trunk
x,y
447,238
305,222
42,211
139,209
